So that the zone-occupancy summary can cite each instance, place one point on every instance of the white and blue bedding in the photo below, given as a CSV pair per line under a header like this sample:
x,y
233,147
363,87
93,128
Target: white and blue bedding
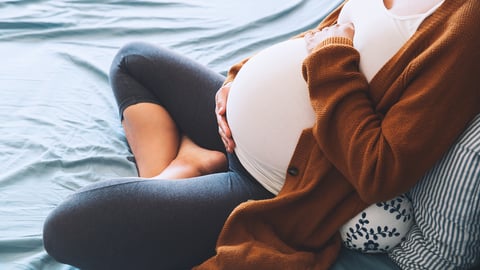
x,y
59,125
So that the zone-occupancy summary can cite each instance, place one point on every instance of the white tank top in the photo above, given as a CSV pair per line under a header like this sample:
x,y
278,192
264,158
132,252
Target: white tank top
x,y
269,106
379,34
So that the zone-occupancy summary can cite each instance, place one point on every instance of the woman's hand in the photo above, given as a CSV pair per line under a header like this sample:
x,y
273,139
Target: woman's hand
x,y
314,38
221,112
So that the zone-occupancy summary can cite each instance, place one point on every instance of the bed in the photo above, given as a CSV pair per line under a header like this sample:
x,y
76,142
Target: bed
x,y
59,126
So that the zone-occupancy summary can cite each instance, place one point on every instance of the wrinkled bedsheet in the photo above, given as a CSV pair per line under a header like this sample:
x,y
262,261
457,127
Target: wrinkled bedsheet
x,y
59,126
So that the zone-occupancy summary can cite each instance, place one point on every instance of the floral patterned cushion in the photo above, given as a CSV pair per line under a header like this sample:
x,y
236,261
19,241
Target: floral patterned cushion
x,y
380,227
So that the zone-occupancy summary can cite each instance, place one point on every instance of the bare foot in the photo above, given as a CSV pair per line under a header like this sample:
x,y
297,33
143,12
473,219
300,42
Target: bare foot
x,y
193,160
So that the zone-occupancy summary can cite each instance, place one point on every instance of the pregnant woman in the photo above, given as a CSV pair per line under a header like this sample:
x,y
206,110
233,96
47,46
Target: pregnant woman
x,y
301,137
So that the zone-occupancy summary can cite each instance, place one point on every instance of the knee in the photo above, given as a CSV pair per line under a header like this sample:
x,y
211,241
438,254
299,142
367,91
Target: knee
x,y
132,48
55,238
63,238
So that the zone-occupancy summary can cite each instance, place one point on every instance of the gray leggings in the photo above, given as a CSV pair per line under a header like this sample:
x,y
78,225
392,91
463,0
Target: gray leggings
x,y
136,223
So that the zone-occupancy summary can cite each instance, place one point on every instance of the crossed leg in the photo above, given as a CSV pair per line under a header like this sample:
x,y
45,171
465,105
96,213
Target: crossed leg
x,y
167,105
159,148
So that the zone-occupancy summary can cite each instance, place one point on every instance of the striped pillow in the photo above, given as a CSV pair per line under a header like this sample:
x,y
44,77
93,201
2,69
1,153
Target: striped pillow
x,y
446,205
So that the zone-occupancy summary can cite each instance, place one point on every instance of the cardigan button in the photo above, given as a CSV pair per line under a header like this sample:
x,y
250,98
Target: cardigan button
x,y
293,171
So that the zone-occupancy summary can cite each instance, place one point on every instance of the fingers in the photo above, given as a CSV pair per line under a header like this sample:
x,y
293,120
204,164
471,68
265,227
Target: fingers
x,y
226,136
225,133
315,37
340,29
347,30
221,100
220,111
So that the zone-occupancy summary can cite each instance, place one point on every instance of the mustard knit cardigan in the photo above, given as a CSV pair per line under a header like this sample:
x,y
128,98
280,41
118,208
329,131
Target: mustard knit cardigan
x,y
370,142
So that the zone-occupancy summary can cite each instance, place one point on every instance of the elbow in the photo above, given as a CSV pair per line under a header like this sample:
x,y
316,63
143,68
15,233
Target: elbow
x,y
381,190
382,181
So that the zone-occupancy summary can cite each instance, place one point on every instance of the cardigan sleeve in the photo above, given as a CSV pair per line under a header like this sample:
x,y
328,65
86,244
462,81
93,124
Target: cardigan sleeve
x,y
384,136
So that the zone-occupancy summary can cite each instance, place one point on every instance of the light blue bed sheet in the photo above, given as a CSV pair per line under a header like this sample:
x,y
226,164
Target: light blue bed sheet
x,y
59,126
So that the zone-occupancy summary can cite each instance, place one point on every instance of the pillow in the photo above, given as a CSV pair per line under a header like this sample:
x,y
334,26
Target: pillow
x,y
380,227
446,205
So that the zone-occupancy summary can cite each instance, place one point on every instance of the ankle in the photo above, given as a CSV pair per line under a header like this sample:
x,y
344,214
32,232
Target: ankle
x,y
179,169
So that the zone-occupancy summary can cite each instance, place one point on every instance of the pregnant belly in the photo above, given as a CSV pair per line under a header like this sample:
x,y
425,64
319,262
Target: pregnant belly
x,y
268,107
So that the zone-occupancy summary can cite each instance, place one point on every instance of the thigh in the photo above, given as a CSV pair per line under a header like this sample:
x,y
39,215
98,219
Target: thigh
x,y
143,72
146,224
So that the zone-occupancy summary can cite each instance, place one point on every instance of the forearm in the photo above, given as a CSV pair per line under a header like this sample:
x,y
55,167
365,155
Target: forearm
x,y
384,144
